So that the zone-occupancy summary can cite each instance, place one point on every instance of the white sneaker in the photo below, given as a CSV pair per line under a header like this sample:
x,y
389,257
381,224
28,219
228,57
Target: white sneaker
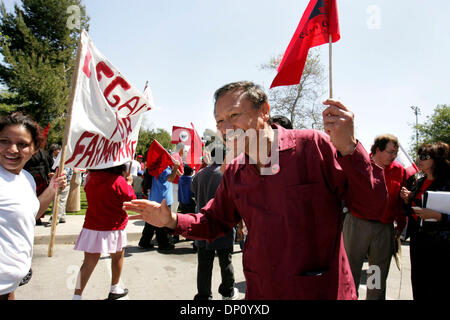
x,y
234,295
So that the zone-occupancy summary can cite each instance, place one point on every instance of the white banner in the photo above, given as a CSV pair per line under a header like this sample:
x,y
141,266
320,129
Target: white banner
x,y
106,116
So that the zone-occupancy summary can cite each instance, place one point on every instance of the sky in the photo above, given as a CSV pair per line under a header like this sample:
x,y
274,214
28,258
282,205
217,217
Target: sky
x,y
392,55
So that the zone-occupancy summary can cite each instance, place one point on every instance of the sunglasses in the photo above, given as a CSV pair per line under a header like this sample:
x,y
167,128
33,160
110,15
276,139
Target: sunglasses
x,y
423,157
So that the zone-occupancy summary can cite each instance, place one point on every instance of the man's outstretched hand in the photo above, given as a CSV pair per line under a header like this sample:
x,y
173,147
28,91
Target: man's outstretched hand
x,y
158,215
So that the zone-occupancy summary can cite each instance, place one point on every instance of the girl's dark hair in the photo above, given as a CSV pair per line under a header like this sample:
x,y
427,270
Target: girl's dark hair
x,y
440,153
19,119
116,170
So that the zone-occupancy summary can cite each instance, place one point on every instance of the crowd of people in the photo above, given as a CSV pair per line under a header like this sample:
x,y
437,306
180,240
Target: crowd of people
x,y
295,202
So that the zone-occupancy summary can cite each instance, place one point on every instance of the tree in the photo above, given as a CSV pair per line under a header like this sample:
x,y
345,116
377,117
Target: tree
x,y
437,127
6,103
39,52
298,102
147,136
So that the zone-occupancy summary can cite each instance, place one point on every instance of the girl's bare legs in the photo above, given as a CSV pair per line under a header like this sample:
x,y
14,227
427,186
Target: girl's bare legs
x,y
116,291
88,266
116,266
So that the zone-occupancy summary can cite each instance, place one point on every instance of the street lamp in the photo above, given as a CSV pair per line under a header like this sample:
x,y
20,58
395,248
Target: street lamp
x,y
416,112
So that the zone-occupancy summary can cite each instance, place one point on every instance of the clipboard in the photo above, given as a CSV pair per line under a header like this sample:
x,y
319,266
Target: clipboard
x,y
438,201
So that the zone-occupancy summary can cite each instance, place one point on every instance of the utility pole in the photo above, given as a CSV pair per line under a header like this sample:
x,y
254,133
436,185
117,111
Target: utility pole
x,y
416,112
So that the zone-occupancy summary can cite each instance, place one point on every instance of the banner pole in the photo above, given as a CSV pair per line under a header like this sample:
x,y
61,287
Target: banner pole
x,y
331,65
64,146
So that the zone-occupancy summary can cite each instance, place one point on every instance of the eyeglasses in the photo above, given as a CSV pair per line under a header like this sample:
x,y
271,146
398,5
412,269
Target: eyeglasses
x,y
392,153
424,157
6,143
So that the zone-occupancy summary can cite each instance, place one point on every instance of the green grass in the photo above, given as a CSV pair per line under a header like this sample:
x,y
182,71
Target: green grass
x,y
83,206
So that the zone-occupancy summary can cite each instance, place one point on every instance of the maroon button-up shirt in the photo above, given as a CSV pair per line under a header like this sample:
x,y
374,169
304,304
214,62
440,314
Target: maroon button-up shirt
x,y
294,247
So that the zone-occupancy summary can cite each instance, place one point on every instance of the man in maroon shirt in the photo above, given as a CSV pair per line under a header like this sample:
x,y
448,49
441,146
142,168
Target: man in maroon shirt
x,y
292,206
375,237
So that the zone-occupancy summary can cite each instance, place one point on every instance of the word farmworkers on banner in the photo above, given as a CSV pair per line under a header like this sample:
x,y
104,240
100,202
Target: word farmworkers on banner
x,y
106,115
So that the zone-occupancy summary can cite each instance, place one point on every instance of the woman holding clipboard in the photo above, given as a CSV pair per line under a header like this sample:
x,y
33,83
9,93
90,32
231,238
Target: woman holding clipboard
x,y
428,229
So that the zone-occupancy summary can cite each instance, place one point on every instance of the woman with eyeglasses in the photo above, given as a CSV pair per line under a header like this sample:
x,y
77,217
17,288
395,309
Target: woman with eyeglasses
x,y
429,230
20,138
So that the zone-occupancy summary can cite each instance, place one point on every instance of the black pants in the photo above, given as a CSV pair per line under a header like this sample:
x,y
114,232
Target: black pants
x,y
204,272
162,238
430,264
186,207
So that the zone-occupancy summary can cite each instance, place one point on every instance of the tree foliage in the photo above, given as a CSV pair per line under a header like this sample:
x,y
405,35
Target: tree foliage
x,y
437,126
298,102
39,52
146,137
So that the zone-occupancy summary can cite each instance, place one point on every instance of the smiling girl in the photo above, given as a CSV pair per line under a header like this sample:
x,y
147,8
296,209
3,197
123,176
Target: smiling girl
x,y
20,138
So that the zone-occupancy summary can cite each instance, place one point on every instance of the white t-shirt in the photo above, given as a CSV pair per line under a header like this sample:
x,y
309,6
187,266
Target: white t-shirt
x,y
135,167
18,209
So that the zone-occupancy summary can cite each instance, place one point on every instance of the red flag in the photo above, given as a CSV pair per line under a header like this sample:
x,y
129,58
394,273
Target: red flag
x,y
406,162
194,158
158,159
319,21
181,134
46,130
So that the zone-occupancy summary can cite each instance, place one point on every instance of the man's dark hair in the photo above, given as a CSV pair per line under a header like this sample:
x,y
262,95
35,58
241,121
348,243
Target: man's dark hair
x,y
282,121
53,148
187,170
381,142
253,92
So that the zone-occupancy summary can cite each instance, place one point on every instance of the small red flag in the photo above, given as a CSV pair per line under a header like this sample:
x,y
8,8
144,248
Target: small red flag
x,y
194,158
181,134
158,159
319,21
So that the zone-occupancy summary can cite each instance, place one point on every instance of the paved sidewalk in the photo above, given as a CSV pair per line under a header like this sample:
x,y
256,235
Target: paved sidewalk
x,y
67,233
148,274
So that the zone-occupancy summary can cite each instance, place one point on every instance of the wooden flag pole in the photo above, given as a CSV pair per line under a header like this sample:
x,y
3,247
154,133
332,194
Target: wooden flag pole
x,y
331,66
64,146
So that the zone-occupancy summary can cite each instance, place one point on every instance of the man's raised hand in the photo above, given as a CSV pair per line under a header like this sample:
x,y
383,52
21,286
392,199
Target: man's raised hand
x,y
338,124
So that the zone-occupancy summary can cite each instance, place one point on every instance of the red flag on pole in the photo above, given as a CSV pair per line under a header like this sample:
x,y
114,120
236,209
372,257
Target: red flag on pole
x,y
194,158
318,23
181,134
158,159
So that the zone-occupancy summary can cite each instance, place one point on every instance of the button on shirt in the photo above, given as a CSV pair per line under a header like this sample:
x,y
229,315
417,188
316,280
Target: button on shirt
x,y
294,246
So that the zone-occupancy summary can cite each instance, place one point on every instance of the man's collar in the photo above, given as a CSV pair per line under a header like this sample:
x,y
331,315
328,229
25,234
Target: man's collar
x,y
286,139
